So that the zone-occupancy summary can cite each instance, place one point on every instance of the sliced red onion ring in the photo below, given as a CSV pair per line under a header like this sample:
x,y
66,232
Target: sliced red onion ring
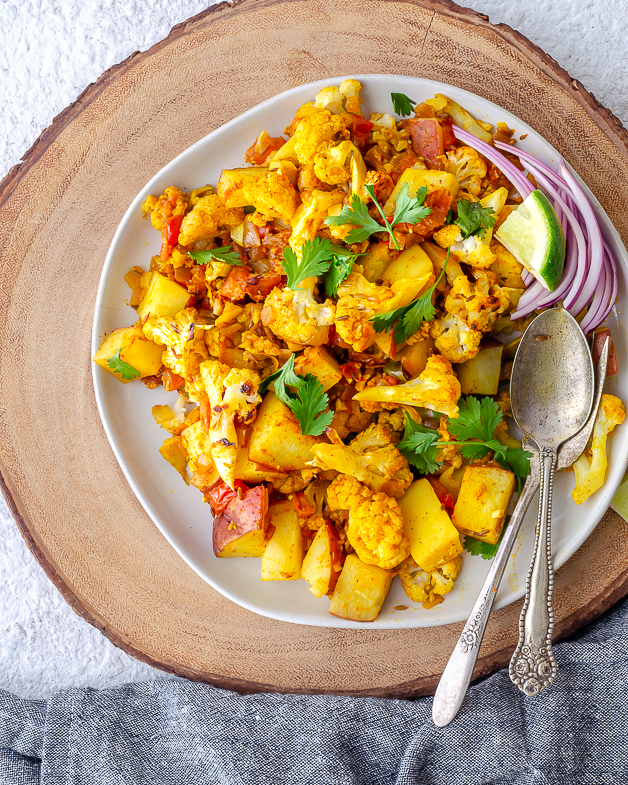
x,y
516,176
598,311
600,299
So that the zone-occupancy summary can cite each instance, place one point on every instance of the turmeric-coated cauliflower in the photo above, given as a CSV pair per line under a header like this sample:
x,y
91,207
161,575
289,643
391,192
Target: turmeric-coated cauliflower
x,y
358,301
436,388
296,317
477,304
467,167
428,587
455,339
232,392
314,130
332,163
170,204
206,218
185,341
375,527
590,472
273,196
371,458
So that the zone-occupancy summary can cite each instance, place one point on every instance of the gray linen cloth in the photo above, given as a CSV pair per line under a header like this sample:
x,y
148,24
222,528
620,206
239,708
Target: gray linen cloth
x,y
176,732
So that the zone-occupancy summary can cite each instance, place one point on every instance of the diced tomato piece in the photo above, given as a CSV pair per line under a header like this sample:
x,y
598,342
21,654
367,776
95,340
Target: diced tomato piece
x,y
427,140
439,201
259,151
234,288
260,285
360,128
599,339
352,370
171,380
444,497
390,380
173,227
219,497
449,139
205,413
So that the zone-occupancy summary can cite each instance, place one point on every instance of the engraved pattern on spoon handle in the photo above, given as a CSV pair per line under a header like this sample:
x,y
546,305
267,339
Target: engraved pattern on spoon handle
x,y
533,667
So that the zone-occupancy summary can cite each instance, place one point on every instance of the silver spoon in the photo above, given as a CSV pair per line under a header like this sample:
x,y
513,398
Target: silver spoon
x,y
551,395
458,672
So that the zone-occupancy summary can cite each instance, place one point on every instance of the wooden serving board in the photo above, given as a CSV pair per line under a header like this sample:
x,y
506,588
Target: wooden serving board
x,y
58,212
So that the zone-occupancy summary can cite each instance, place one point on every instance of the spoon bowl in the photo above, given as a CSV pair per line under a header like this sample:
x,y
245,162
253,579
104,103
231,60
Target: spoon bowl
x,y
552,379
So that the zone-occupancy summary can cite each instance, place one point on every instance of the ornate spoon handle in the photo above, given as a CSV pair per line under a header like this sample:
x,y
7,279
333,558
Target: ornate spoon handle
x,y
533,667
456,677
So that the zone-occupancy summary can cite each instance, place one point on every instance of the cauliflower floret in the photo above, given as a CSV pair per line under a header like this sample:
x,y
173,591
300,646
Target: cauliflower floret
x,y
506,267
273,196
467,167
185,341
448,235
206,219
477,304
428,587
296,317
455,339
330,98
394,420
371,458
375,527
358,301
333,164
170,204
310,215
591,472
313,131
351,88
232,392
436,388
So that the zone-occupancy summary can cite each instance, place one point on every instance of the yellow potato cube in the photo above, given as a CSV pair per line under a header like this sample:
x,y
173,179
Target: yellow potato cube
x,y
434,540
283,555
414,357
277,440
480,374
482,502
234,183
173,451
412,263
248,471
432,179
136,351
323,561
163,297
375,262
360,591
318,362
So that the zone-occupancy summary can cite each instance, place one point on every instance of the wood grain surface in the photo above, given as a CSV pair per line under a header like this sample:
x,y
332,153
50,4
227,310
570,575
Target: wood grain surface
x,y
58,212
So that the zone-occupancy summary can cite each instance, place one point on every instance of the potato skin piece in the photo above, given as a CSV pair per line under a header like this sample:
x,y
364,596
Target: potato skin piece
x,y
277,440
482,502
240,530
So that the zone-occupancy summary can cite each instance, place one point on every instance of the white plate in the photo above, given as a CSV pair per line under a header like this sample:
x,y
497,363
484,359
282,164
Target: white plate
x,y
178,510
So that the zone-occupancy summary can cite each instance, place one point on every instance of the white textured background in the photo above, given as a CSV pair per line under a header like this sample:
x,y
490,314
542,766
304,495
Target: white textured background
x,y
50,50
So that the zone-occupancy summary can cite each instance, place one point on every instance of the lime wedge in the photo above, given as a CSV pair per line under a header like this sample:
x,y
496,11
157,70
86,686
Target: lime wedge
x,y
620,499
533,235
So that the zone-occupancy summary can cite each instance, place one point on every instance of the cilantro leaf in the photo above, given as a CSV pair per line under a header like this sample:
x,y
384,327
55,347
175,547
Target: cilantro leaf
x,y
226,254
357,215
285,376
126,371
308,404
518,460
410,209
418,446
409,318
341,266
474,219
402,104
476,419
316,257
309,407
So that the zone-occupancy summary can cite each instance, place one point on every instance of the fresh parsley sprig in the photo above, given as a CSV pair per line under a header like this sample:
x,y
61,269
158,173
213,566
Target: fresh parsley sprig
x,y
402,104
308,404
340,268
226,254
474,432
474,219
408,319
126,371
408,209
